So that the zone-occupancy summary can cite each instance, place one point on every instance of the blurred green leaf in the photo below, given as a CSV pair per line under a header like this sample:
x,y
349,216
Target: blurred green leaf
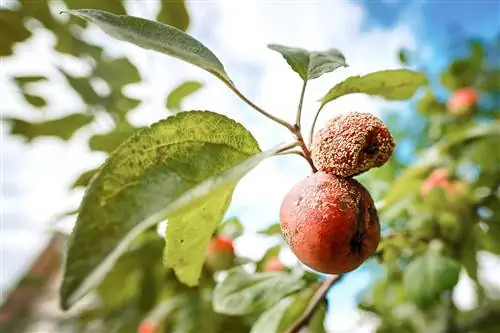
x,y
427,276
40,11
273,229
174,13
468,253
317,323
244,293
23,80
146,180
231,228
110,141
403,56
310,64
82,86
117,72
399,84
174,99
270,320
158,37
271,252
35,100
84,179
63,128
12,30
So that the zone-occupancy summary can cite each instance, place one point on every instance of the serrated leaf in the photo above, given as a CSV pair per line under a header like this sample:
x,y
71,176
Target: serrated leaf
x,y
427,276
63,128
153,175
156,36
174,99
399,84
243,293
310,64
231,228
174,13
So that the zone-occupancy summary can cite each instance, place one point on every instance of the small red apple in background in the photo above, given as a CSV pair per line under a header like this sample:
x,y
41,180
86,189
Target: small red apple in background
x,y
463,102
220,253
273,264
146,327
330,223
438,178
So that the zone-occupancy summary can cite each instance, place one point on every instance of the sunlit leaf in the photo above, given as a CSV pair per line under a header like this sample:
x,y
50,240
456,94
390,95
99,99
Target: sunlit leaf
x,y
397,84
154,175
109,141
12,30
156,36
84,179
310,64
231,228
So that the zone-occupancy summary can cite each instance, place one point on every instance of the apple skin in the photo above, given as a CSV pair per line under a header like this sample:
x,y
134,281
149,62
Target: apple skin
x,y
330,223
220,253
273,264
438,178
351,144
463,102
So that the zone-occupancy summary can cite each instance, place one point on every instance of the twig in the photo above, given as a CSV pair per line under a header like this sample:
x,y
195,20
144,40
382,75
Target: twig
x,y
315,301
303,146
299,108
295,152
258,109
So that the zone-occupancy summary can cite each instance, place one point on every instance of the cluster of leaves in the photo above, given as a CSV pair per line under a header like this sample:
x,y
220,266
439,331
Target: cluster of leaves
x,y
433,235
22,20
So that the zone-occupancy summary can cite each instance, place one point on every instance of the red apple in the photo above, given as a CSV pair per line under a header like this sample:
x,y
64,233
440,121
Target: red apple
x,y
220,253
273,264
463,102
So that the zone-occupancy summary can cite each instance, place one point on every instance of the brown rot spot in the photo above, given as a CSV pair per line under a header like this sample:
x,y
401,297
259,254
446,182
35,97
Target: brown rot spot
x,y
343,206
371,149
356,243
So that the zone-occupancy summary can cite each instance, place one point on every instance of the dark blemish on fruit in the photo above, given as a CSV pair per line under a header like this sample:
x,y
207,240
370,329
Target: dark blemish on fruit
x,y
371,149
343,205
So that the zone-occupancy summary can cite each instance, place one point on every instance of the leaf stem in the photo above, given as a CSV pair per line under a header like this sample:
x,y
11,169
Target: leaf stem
x,y
257,108
313,125
301,101
313,304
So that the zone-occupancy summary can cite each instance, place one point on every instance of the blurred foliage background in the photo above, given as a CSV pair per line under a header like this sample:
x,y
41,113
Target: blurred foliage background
x,y
440,209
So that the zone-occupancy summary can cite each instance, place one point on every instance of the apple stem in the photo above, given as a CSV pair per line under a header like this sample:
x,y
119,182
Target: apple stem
x,y
314,303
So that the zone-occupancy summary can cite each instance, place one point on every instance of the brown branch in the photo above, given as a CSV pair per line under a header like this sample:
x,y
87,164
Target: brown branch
x,y
313,304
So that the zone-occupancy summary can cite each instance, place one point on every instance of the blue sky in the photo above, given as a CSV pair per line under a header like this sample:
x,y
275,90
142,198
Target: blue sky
x,y
369,32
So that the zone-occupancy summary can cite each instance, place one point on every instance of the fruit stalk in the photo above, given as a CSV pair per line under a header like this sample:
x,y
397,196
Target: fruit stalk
x,y
313,304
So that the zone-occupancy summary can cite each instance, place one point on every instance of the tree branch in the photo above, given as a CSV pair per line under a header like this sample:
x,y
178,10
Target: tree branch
x,y
315,301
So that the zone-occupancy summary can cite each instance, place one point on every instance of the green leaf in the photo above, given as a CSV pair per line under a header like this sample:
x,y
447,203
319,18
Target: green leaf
x,y
273,229
12,30
174,13
174,99
156,36
271,252
283,315
35,100
310,64
117,72
21,81
231,228
317,323
84,179
243,293
109,141
175,165
63,128
397,84
427,276
82,86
